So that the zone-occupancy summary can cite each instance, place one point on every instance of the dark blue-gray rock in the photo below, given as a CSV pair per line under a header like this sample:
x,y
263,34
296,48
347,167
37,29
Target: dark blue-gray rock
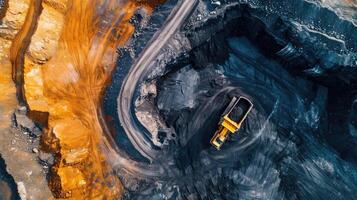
x,y
296,60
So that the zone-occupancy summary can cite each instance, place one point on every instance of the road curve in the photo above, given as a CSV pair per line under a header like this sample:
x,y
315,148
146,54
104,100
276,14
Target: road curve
x,y
140,68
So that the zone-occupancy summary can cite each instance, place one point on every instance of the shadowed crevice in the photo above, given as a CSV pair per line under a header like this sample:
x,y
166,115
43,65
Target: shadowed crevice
x,y
20,45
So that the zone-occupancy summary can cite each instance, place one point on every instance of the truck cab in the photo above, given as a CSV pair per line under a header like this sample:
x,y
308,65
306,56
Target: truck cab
x,y
231,120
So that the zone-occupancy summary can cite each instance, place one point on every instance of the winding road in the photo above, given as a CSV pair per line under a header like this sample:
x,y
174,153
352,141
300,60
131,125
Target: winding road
x,y
140,68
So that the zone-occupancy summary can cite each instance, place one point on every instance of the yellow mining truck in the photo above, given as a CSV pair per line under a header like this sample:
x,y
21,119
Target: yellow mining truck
x,y
231,120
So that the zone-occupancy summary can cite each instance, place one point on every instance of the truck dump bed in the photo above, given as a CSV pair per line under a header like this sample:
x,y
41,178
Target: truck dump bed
x,y
231,120
240,110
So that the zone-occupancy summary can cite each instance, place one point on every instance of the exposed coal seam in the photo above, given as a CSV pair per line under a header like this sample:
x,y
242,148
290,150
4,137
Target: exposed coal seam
x,y
195,58
304,49
340,107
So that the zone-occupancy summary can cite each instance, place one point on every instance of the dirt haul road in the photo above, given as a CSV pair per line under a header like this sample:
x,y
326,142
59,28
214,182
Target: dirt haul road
x,y
140,69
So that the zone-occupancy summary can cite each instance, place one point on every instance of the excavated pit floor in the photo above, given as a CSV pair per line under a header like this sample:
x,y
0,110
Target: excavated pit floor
x,y
283,149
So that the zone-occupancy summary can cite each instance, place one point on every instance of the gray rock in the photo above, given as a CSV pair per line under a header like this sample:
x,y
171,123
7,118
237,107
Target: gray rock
x,y
46,158
23,122
22,110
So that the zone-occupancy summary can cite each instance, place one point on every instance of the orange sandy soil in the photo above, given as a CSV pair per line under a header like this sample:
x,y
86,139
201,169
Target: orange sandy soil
x,y
61,57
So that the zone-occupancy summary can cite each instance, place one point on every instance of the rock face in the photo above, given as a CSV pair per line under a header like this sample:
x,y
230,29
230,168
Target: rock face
x,y
60,54
15,126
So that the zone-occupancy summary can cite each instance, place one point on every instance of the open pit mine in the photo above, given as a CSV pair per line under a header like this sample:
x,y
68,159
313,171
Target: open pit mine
x,y
178,99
